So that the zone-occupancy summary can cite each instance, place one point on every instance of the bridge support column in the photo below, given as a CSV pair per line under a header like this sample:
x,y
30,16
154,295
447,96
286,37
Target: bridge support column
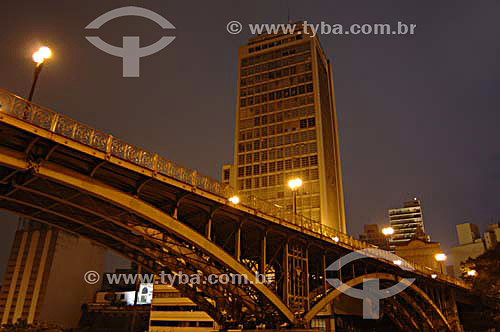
x,y
305,293
323,271
237,246
331,325
297,270
208,229
263,254
286,276
451,312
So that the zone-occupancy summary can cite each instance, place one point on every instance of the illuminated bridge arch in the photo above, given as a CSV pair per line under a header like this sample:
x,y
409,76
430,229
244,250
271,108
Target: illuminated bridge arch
x,y
390,279
172,244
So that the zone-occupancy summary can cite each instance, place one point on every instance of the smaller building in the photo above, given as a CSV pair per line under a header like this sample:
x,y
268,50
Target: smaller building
x,y
114,317
405,221
229,175
117,306
467,233
373,235
470,245
422,252
492,236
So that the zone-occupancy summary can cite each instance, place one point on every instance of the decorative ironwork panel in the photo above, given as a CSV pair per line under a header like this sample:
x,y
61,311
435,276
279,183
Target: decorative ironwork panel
x,y
65,126
99,140
83,134
43,118
147,159
133,154
6,101
118,148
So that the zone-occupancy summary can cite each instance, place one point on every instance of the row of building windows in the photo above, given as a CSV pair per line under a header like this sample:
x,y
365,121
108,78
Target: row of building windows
x,y
278,117
285,152
271,181
288,104
404,211
405,216
284,72
276,54
276,84
275,43
275,95
289,126
270,66
271,142
278,166
304,203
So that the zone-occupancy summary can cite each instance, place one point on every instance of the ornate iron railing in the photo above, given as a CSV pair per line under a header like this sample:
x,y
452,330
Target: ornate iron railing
x,y
55,122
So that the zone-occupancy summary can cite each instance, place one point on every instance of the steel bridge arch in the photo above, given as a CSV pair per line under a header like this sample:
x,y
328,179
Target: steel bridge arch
x,y
333,294
53,172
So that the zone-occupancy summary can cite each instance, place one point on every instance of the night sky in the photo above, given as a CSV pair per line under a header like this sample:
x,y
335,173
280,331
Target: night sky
x,y
418,115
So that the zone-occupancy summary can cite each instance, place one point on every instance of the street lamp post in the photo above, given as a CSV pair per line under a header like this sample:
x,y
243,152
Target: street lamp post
x,y
39,57
295,184
440,258
388,232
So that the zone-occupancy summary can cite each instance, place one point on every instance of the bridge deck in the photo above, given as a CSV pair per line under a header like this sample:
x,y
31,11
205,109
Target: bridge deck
x,y
109,159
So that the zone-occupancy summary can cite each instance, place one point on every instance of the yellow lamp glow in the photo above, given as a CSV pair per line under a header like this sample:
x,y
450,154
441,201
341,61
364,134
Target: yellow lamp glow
x,y
295,183
234,199
440,257
387,231
42,54
472,273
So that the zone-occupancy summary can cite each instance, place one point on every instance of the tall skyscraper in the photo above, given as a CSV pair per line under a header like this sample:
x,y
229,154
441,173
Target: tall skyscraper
x,y
286,126
407,222
44,276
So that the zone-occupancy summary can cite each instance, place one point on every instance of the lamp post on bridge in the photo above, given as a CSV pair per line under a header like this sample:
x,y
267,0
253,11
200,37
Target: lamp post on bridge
x,y
39,58
440,258
388,232
295,184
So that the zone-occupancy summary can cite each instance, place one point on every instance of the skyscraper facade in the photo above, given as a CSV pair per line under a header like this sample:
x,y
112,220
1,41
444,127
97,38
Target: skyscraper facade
x,y
408,223
286,126
44,276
